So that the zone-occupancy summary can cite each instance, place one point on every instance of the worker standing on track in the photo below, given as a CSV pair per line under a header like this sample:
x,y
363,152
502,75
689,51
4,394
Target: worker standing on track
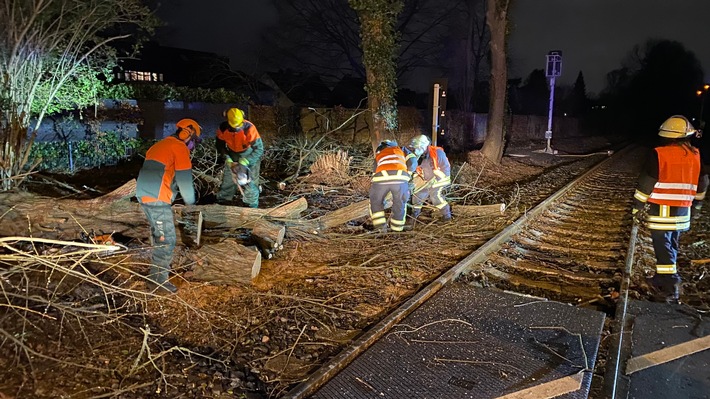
x,y
435,169
240,143
391,175
670,190
166,169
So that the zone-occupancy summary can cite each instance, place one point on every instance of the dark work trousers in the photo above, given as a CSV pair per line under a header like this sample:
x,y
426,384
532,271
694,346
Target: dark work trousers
x,y
251,191
665,246
435,196
400,196
164,239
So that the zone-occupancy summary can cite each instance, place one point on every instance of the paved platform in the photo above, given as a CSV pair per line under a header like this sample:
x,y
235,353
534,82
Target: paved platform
x,y
669,352
470,342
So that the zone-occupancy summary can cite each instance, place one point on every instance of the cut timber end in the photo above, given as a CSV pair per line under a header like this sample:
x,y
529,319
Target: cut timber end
x,y
198,237
227,262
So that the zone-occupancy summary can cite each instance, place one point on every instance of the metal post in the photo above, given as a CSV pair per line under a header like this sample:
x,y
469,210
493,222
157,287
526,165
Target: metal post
x,y
553,69
435,114
548,132
71,159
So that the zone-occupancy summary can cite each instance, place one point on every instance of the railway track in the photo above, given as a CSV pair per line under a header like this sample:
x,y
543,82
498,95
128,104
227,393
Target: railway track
x,y
573,247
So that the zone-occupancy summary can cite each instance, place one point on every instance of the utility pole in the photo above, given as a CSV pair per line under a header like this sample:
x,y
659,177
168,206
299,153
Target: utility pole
x,y
553,69
438,110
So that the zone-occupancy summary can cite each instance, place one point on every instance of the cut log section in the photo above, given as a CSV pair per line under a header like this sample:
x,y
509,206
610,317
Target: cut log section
x,y
269,237
227,262
190,227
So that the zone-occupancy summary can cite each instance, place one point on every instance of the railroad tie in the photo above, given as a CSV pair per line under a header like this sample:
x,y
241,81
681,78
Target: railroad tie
x,y
666,355
550,389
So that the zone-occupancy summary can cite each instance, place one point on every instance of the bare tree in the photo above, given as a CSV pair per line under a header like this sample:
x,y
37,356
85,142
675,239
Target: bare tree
x,y
377,31
467,53
42,45
322,36
497,17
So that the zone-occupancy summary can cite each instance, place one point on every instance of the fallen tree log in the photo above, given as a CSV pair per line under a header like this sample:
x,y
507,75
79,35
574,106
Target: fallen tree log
x,y
478,210
227,262
26,214
361,209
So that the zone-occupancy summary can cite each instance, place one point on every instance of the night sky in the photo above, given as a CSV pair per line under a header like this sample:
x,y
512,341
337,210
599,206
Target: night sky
x,y
594,35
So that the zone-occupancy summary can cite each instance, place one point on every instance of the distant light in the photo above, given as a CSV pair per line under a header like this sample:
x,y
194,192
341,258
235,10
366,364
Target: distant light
x,y
706,87
565,114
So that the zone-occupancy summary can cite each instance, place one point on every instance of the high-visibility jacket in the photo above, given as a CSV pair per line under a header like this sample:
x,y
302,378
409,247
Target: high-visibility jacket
x,y
244,142
167,168
390,166
671,181
435,166
678,173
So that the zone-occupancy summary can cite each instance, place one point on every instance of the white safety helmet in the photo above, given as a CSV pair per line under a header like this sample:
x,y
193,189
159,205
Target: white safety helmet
x,y
676,127
419,144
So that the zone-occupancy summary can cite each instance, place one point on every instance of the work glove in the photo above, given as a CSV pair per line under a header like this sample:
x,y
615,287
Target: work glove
x,y
695,209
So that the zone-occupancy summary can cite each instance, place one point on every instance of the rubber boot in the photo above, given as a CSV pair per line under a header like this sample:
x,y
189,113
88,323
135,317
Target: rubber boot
x,y
446,213
665,287
165,288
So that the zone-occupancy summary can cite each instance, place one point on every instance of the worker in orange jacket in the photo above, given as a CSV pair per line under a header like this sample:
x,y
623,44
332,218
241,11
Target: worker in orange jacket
x,y
241,145
671,189
392,171
166,170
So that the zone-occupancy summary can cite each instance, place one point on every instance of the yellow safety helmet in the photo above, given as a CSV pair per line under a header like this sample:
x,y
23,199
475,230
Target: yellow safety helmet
x,y
235,117
676,127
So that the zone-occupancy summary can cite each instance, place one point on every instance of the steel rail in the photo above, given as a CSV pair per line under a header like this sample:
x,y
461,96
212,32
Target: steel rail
x,y
619,347
368,338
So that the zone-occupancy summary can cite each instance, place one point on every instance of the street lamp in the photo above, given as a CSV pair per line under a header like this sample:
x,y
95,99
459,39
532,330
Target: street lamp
x,y
702,94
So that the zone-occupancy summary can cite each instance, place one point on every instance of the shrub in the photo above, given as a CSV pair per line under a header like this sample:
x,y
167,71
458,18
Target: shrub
x,y
104,148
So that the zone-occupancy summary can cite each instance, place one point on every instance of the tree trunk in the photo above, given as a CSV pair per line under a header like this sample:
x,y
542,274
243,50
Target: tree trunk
x,y
24,214
497,17
227,262
378,19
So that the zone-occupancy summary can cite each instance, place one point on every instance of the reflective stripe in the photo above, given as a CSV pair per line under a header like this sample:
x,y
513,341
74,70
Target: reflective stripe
x,y
397,221
673,197
443,182
669,226
378,214
668,219
391,176
666,269
643,197
677,186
